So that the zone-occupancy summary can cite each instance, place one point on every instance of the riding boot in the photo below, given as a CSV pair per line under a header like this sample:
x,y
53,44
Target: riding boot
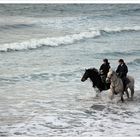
x,y
124,87
103,78
124,84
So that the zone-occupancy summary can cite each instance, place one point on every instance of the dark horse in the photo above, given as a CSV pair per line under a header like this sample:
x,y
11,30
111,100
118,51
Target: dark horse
x,y
95,77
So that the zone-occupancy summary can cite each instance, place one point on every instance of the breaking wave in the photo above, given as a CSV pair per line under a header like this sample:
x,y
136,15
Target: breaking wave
x,y
121,29
50,41
63,40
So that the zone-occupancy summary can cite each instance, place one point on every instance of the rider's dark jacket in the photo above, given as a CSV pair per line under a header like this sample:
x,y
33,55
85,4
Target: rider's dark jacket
x,y
105,69
122,70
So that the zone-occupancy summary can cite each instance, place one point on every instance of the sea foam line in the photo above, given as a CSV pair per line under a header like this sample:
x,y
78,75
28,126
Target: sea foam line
x,y
62,40
50,41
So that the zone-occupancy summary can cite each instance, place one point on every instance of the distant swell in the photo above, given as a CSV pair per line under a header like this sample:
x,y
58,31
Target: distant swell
x,y
15,26
63,40
135,62
117,53
130,11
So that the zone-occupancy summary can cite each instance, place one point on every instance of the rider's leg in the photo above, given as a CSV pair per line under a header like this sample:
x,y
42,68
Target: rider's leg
x,y
124,84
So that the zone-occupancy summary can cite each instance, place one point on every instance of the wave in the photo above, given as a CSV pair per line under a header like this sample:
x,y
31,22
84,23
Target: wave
x,y
15,26
121,29
127,11
135,62
50,41
64,40
117,53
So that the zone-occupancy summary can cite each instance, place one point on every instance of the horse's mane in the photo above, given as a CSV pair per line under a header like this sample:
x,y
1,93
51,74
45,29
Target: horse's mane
x,y
93,70
112,71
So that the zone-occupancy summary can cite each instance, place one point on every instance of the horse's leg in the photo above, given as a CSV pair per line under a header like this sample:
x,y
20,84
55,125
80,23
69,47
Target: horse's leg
x,y
111,96
122,97
127,93
132,92
97,92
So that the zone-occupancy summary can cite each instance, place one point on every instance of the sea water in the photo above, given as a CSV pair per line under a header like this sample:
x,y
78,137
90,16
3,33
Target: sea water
x,y
44,50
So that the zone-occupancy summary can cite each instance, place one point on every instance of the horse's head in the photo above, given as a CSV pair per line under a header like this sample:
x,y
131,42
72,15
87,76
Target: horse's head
x,y
111,76
89,73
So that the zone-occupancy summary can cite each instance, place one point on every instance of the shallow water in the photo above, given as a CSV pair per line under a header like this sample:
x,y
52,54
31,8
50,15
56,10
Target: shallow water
x,y
43,57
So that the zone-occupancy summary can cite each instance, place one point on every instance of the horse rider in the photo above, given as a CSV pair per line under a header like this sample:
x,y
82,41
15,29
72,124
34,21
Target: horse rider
x,y
104,69
122,71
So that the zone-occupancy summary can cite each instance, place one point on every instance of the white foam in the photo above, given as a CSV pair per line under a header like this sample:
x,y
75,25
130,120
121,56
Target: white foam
x,y
50,41
117,29
63,40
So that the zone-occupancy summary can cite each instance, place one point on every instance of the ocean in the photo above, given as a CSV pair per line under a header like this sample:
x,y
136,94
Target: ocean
x,y
44,51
